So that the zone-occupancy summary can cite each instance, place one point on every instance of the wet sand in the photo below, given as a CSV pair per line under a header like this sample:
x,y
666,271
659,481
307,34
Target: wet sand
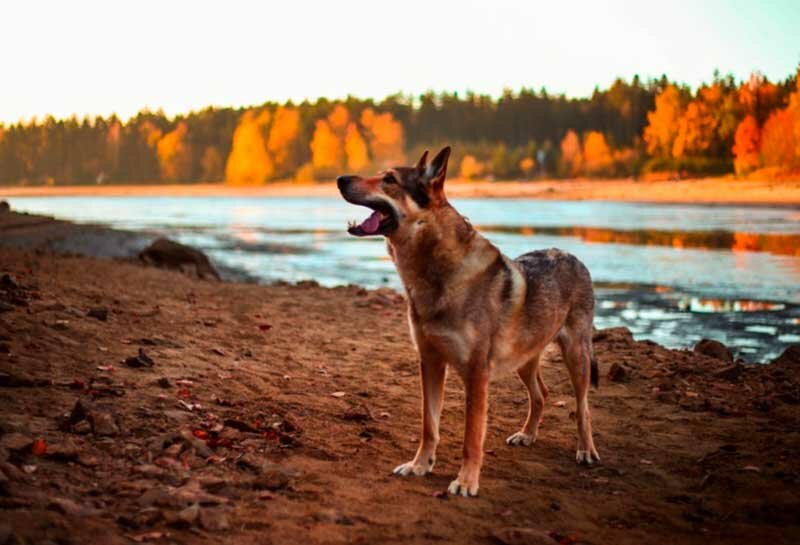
x,y
141,404
702,191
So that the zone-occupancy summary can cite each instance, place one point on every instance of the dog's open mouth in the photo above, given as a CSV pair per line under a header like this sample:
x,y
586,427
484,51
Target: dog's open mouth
x,y
382,221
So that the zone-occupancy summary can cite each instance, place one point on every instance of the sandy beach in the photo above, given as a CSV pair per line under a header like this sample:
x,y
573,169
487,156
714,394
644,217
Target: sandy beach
x,y
142,405
704,191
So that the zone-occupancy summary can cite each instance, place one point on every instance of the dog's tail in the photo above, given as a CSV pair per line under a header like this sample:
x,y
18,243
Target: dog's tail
x,y
594,374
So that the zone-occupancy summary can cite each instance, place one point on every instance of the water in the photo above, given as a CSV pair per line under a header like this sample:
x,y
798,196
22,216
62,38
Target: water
x,y
675,296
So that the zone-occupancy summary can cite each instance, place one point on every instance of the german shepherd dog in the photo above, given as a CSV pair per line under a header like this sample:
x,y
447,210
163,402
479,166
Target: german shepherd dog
x,y
475,310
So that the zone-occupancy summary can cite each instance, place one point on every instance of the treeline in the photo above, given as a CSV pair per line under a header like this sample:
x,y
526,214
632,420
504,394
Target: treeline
x,y
653,128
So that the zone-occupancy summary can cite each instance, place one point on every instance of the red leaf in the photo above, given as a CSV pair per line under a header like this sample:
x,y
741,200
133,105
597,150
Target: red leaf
x,y
39,447
200,434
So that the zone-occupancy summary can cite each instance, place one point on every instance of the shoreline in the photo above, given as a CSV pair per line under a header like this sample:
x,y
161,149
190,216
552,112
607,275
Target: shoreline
x,y
707,191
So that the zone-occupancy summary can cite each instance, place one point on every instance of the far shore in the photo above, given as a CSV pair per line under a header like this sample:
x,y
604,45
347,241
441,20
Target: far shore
x,y
710,191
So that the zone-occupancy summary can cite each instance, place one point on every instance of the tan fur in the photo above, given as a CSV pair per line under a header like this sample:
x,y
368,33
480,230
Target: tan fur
x,y
474,310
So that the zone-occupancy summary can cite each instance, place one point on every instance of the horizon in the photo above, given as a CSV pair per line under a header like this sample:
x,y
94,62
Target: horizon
x,y
124,69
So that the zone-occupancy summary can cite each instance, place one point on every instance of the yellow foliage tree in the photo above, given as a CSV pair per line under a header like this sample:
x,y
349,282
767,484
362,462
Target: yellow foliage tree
x,y
355,149
282,141
662,128
747,142
571,155
327,153
597,157
339,118
527,165
695,130
470,167
249,163
175,155
385,135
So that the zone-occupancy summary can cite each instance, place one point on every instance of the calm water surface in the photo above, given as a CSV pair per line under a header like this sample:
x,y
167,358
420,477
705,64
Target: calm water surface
x,y
674,296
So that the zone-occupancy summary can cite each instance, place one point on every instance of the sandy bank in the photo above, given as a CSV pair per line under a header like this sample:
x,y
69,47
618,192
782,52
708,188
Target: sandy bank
x,y
280,411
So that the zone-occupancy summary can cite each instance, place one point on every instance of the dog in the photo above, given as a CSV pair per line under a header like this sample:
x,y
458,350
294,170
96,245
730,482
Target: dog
x,y
472,309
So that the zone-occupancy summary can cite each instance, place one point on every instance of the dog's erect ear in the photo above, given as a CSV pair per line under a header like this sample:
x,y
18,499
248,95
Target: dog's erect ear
x,y
423,161
437,170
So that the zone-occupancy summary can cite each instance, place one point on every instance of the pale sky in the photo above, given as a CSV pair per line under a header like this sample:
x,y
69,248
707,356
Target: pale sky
x,y
103,56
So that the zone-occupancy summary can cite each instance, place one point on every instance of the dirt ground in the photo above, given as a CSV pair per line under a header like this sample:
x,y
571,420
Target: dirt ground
x,y
140,405
697,191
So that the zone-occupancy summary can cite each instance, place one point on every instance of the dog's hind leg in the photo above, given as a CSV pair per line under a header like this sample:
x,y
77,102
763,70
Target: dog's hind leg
x,y
432,375
531,376
575,341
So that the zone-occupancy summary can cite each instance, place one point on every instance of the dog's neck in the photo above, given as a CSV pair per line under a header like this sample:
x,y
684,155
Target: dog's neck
x,y
433,257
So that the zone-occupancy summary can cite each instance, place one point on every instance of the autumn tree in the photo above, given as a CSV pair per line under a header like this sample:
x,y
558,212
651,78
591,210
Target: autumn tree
x,y
746,146
327,152
355,148
282,143
571,154
663,122
385,137
470,168
175,155
212,165
597,158
249,162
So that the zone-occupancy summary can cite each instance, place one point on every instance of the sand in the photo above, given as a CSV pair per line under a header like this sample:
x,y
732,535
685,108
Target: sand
x,y
702,191
275,414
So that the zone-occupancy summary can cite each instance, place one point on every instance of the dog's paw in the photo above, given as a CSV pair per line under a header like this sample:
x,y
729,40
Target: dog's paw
x,y
587,457
521,438
463,487
414,468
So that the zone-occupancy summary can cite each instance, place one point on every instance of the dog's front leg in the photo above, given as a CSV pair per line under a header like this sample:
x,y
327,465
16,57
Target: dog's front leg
x,y
476,383
432,375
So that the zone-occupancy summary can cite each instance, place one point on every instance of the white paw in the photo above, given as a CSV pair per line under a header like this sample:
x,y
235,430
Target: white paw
x,y
414,468
463,487
521,438
587,457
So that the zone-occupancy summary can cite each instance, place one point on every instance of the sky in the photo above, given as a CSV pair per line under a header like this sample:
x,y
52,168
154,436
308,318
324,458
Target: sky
x,y
97,57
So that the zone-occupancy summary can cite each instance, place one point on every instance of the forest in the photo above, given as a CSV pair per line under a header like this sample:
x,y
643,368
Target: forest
x,y
654,129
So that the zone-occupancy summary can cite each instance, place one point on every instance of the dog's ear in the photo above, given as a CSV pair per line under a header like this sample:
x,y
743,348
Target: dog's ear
x,y
437,170
423,161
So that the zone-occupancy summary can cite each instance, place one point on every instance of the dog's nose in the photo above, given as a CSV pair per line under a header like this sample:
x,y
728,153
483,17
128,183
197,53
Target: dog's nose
x,y
342,181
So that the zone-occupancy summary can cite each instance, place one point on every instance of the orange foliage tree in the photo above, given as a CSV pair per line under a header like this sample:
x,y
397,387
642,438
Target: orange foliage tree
x,y
175,155
571,155
283,139
662,128
355,148
470,167
597,157
249,163
746,145
386,137
327,152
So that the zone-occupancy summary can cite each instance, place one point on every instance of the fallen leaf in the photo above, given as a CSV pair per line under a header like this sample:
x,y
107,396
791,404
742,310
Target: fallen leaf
x,y
645,462
560,403
264,327
754,469
338,394
105,367
39,447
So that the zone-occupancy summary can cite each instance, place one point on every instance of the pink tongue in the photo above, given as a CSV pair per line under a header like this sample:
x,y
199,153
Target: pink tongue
x,y
372,223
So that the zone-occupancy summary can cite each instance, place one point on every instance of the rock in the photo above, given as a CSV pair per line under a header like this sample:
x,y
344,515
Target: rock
x,y
4,207
192,492
140,360
71,508
183,518
8,282
164,382
168,254
273,477
713,349
99,313
523,536
617,373
5,307
8,380
790,356
730,372
213,519
64,451
103,423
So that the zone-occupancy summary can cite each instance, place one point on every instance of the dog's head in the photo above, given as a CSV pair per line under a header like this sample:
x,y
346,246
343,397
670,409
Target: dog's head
x,y
398,196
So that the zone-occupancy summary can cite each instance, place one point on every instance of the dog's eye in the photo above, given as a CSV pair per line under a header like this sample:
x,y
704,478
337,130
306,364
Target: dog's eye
x,y
389,179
